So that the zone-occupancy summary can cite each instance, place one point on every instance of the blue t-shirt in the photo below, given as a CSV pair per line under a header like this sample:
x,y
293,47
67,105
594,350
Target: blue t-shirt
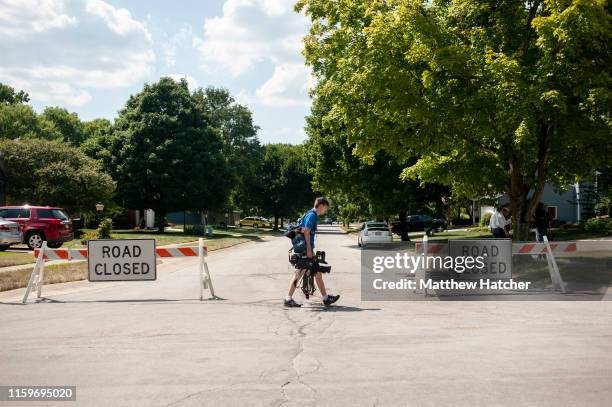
x,y
310,221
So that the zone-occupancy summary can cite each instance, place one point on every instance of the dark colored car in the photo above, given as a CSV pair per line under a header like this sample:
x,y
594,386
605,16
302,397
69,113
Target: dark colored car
x,y
419,223
40,223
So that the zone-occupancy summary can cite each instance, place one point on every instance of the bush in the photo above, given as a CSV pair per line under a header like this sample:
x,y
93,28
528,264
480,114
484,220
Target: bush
x,y
105,229
484,221
88,236
599,225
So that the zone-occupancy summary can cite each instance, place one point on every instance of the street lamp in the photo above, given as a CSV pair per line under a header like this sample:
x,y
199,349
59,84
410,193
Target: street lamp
x,y
99,209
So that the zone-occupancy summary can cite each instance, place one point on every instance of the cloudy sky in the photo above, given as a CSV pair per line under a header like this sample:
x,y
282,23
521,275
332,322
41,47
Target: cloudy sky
x,y
90,55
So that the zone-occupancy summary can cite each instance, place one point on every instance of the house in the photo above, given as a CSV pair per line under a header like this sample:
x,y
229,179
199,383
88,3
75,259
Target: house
x,y
573,205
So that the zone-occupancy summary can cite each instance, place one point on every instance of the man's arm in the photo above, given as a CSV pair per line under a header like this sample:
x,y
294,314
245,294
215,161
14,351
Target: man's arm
x,y
307,238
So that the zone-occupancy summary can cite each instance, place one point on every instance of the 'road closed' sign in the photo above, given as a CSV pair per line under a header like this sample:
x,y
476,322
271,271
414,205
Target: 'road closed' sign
x,y
121,259
495,253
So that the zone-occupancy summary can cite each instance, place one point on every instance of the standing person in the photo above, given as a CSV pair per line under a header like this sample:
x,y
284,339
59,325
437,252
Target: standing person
x,y
309,228
542,222
498,222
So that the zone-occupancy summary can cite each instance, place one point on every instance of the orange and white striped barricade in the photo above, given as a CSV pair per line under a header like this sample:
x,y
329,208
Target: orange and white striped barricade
x,y
527,248
45,253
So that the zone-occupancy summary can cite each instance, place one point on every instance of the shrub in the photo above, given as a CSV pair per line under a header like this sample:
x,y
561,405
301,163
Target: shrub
x,y
599,225
484,221
87,236
105,229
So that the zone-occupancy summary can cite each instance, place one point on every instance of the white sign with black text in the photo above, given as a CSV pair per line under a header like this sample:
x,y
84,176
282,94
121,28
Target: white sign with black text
x,y
121,260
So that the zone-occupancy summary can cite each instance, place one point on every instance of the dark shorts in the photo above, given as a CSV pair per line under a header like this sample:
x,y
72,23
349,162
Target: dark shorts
x,y
499,233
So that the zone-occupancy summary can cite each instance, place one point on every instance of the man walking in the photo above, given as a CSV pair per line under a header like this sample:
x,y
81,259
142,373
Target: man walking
x,y
498,222
542,222
309,228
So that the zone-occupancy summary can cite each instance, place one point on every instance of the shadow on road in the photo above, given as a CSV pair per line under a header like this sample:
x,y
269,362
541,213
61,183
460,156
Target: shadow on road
x,y
149,300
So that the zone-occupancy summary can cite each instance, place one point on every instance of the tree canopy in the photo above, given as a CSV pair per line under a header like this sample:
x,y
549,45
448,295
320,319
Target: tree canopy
x,y
491,96
165,155
42,172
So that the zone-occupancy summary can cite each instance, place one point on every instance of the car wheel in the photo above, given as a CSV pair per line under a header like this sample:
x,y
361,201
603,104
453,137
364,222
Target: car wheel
x,y
358,243
55,245
35,240
3,247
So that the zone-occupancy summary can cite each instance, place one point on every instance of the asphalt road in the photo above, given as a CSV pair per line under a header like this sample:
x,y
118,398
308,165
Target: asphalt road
x,y
153,343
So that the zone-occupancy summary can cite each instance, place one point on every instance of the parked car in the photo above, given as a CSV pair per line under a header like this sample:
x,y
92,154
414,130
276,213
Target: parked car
x,y
40,223
9,234
328,221
419,223
374,233
255,221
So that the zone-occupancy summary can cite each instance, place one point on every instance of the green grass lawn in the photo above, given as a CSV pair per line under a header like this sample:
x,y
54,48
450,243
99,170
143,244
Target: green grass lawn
x,y
15,259
221,237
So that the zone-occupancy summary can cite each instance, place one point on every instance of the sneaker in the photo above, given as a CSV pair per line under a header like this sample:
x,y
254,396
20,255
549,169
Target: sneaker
x,y
330,300
291,303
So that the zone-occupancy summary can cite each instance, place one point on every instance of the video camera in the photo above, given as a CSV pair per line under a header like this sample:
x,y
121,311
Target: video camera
x,y
316,264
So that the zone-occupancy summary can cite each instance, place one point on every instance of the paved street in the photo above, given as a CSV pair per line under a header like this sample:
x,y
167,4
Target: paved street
x,y
153,343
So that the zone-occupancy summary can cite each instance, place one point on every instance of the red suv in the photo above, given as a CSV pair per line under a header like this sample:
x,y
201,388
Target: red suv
x,y
40,223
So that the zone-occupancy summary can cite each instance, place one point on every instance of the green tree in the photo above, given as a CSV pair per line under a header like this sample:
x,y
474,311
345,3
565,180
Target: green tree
x,y
492,96
165,155
241,146
52,173
283,188
67,124
9,96
375,180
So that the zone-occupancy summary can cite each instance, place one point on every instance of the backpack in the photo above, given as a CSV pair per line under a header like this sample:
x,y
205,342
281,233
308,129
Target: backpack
x,y
294,232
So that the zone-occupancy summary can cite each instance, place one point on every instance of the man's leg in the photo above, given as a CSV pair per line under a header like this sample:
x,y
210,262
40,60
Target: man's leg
x,y
296,277
289,302
321,284
327,299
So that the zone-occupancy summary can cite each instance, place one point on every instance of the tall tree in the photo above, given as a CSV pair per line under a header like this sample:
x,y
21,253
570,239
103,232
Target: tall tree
x,y
493,96
165,155
241,146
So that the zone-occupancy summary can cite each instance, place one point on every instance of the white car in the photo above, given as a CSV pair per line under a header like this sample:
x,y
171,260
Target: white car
x,y
374,233
9,234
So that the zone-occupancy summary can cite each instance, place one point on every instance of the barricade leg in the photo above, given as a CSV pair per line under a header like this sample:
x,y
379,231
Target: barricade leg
x,y
205,280
41,273
553,267
35,277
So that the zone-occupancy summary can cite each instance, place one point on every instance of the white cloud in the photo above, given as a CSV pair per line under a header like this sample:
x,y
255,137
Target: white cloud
x,y
191,82
255,31
251,31
288,86
26,17
84,45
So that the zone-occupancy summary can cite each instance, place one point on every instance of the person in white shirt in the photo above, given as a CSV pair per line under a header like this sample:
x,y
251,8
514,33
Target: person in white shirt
x,y
498,222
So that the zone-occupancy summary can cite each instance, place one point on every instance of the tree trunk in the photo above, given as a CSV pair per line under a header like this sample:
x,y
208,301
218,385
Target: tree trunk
x,y
161,228
403,227
275,222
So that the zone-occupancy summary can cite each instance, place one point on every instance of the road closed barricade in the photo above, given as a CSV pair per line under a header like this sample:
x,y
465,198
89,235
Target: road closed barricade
x,y
546,249
119,260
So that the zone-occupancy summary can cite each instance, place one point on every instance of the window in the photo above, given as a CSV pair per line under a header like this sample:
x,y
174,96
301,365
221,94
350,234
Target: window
x,y
51,214
15,213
